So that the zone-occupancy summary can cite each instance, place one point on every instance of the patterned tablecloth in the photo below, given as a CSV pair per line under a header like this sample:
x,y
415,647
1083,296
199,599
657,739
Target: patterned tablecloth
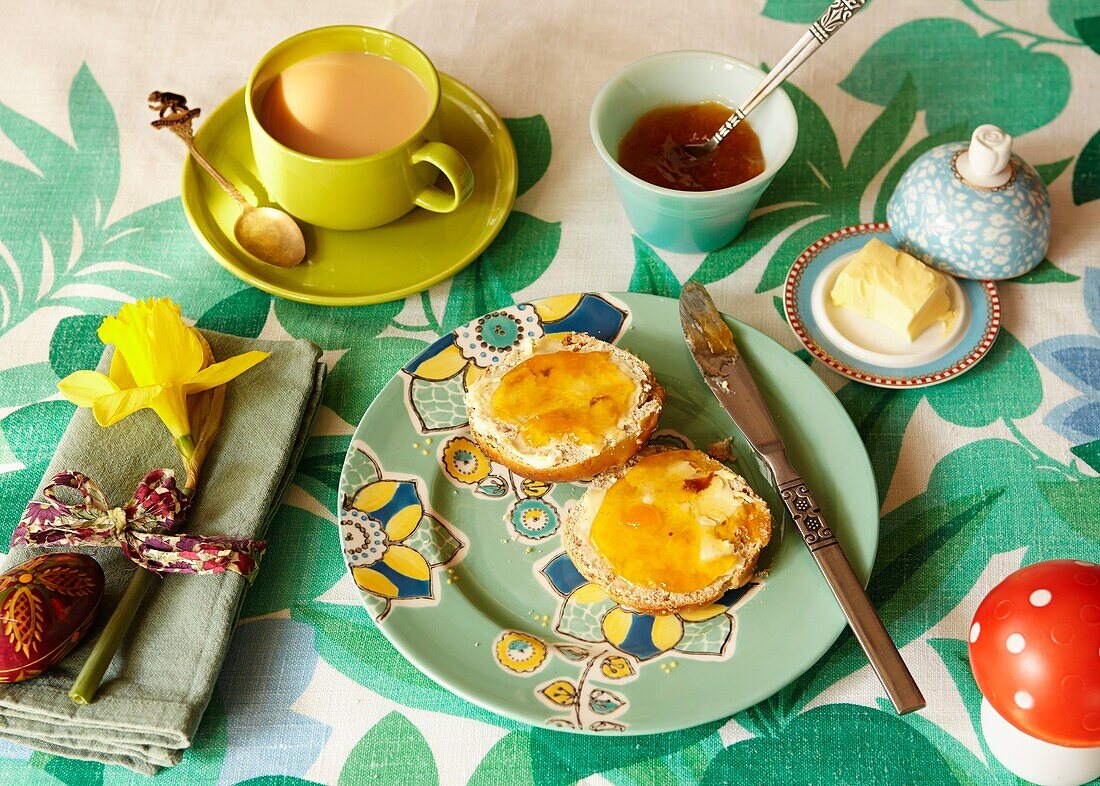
x,y
977,476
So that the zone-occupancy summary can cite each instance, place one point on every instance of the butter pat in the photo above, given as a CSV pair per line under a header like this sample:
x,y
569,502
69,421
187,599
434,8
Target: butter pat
x,y
895,289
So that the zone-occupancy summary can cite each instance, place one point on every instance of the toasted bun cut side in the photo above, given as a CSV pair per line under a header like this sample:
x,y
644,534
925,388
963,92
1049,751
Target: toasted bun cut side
x,y
564,407
671,530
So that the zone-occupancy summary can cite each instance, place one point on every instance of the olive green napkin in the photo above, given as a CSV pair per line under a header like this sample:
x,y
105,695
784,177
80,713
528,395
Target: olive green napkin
x,y
160,681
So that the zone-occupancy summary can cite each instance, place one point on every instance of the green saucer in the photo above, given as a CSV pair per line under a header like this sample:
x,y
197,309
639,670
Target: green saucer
x,y
372,265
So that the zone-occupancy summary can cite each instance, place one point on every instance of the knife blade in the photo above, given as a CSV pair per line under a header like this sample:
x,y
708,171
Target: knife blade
x,y
727,374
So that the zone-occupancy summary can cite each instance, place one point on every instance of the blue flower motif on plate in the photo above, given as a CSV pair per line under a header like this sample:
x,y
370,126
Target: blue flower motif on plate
x,y
534,518
392,541
586,613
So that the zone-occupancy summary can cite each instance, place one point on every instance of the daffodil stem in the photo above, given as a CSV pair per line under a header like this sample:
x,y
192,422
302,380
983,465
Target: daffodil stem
x,y
87,682
185,445
91,674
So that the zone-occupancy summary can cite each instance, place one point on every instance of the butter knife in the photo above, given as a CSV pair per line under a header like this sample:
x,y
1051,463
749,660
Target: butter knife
x,y
726,372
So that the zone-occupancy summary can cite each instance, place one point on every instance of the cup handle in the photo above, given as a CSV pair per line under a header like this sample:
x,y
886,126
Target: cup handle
x,y
451,163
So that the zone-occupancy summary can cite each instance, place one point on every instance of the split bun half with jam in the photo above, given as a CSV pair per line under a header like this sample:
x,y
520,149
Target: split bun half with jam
x,y
564,407
670,531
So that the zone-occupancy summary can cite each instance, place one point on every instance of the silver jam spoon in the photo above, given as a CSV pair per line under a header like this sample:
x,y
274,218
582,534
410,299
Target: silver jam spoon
x,y
267,233
828,23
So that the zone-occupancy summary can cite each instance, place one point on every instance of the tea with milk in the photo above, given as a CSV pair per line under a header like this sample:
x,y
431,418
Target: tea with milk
x,y
344,105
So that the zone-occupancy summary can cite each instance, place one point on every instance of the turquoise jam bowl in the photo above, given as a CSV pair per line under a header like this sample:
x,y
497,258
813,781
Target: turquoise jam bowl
x,y
689,221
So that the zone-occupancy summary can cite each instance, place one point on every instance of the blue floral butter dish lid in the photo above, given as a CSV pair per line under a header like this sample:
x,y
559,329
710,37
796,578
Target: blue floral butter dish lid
x,y
977,211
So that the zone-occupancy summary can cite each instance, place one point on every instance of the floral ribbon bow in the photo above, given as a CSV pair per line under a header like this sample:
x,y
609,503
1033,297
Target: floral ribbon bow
x,y
140,528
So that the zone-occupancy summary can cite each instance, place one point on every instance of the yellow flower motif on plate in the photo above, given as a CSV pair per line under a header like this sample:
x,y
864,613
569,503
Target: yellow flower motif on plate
x,y
439,377
588,614
450,360
665,630
519,652
535,488
392,540
551,309
464,461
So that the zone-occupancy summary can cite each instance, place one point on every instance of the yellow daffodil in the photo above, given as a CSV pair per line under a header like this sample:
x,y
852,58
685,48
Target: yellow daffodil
x,y
158,362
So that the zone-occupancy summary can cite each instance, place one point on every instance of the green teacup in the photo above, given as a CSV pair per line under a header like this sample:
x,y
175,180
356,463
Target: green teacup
x,y
363,192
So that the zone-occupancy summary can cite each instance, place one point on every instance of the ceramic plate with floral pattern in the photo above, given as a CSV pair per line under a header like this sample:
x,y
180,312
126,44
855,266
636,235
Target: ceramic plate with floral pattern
x,y
460,563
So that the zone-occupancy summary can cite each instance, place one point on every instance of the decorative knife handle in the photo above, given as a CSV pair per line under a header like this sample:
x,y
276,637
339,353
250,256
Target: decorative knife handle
x,y
802,506
834,18
866,624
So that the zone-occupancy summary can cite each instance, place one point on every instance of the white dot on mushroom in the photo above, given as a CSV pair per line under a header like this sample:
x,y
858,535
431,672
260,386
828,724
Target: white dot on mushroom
x,y
1040,597
1015,643
975,629
1024,700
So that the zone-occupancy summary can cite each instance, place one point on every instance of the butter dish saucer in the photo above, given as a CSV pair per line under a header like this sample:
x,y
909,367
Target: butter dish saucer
x,y
859,348
371,265
864,338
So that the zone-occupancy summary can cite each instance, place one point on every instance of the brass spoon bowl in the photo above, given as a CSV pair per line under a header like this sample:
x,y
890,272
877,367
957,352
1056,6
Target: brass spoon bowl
x,y
270,235
267,233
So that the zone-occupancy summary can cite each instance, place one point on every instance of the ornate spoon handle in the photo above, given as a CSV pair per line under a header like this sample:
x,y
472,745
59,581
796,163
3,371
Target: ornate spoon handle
x,y
175,115
828,23
834,17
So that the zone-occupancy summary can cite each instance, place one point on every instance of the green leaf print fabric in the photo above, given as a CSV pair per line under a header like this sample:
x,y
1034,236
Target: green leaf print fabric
x,y
976,477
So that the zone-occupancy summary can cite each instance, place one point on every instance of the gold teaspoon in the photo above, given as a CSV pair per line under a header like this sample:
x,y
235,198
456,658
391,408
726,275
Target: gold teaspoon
x,y
267,233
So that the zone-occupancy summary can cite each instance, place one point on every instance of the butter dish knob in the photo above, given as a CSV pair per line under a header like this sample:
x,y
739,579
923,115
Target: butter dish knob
x,y
987,162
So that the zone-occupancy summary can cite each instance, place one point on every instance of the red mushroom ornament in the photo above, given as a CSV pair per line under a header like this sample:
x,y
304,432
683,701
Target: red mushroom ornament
x,y
1035,654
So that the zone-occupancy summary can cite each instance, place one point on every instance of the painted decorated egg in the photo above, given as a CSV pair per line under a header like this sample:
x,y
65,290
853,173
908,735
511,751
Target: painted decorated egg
x,y
47,605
